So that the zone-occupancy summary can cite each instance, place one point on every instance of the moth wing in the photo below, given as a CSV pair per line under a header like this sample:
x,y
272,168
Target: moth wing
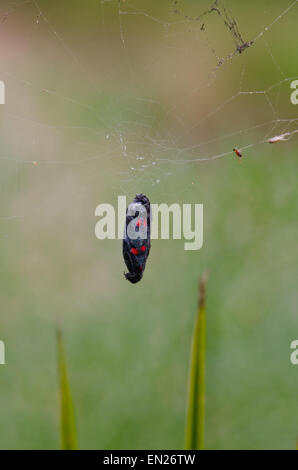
x,y
127,255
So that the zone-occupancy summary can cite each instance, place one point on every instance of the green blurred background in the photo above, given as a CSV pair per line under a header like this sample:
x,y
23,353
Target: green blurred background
x,y
95,90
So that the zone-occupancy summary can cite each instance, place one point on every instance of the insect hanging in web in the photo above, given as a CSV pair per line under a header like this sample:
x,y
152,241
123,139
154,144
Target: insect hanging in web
x,y
136,240
279,138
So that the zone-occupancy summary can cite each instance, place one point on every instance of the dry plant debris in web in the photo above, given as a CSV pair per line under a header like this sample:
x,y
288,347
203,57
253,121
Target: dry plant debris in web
x,y
228,20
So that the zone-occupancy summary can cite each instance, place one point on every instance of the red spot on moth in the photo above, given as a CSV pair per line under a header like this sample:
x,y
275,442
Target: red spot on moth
x,y
135,251
143,248
138,224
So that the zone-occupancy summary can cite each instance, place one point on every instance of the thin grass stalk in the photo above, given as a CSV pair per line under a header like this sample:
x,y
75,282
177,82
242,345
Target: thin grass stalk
x,y
195,416
67,418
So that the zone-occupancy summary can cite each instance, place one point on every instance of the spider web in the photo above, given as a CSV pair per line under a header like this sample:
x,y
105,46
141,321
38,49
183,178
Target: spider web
x,y
133,93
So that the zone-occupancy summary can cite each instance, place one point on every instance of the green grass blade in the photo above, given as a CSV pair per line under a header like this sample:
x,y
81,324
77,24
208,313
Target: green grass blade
x,y
195,417
67,419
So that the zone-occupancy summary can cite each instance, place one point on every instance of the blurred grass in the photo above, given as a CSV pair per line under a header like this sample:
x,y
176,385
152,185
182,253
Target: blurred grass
x,y
195,420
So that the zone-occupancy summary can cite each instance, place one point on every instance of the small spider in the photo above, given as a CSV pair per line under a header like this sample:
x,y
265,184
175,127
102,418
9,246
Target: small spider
x,y
244,46
237,152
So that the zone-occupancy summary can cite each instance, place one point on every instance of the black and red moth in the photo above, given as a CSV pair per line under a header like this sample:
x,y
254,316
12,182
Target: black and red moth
x,y
136,240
